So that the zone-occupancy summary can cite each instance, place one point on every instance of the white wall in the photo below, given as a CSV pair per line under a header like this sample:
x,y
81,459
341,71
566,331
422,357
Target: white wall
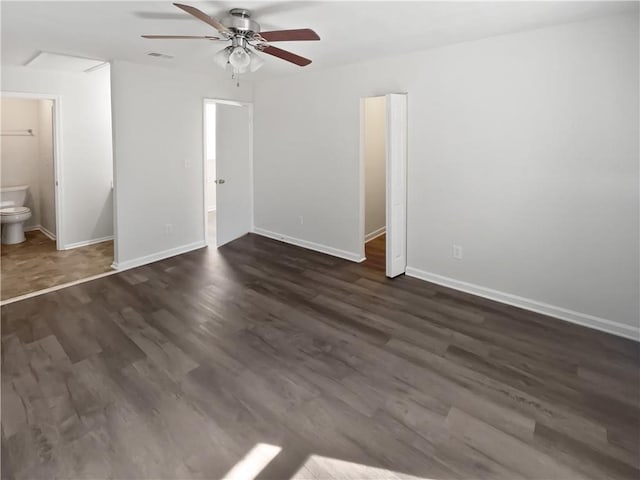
x,y
85,150
158,150
19,154
46,177
523,148
374,164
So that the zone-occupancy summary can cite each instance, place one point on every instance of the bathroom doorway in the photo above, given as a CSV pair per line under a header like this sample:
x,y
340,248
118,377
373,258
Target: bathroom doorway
x,y
57,196
228,170
29,162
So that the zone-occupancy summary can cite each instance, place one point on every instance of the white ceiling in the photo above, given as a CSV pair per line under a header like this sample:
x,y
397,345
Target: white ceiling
x,y
350,31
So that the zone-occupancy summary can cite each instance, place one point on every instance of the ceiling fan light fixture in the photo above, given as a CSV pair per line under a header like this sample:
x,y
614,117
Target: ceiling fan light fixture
x,y
222,57
245,35
239,58
256,62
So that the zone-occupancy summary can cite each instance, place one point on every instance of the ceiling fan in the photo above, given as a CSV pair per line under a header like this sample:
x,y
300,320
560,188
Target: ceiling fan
x,y
246,39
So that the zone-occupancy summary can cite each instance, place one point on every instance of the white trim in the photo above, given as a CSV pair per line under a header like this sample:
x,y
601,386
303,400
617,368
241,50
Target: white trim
x,y
362,180
351,256
57,158
205,183
567,315
375,234
58,172
211,209
86,243
154,257
44,231
56,287
114,178
251,178
47,233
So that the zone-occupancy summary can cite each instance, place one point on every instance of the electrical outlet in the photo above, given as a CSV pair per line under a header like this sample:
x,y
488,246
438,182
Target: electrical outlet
x,y
187,164
301,218
168,228
457,252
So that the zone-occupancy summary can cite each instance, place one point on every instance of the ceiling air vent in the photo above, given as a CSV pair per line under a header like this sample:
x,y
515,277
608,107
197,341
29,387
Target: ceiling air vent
x,y
160,55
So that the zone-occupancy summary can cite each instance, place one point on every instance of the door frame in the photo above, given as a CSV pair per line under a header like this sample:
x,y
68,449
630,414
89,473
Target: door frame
x,y
237,103
57,160
388,140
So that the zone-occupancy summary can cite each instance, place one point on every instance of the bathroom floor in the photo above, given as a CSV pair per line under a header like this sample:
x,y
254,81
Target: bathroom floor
x,y
36,264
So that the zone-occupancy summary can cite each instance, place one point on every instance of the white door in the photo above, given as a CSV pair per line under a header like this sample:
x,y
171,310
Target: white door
x,y
396,184
233,172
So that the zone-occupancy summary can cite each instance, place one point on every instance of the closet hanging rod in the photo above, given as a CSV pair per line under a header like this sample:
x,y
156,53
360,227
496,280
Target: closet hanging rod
x,y
18,133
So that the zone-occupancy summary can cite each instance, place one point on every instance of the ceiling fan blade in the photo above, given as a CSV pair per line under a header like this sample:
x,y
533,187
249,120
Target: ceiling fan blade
x,y
290,35
181,37
285,55
200,15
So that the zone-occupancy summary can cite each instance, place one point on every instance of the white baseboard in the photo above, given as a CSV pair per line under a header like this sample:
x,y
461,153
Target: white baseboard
x,y
211,209
583,319
354,257
47,233
44,231
375,234
154,257
86,243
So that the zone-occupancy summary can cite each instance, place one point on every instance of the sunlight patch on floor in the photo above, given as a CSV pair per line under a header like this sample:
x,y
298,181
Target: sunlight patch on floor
x,y
253,462
317,467
314,468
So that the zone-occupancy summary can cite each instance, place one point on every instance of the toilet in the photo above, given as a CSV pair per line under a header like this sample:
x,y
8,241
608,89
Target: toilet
x,y
13,213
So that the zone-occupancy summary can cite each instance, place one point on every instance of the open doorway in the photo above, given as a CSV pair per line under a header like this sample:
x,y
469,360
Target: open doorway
x,y
375,183
56,230
27,159
210,178
383,170
228,170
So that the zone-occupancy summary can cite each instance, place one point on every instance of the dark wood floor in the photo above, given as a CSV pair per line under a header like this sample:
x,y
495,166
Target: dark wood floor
x,y
183,368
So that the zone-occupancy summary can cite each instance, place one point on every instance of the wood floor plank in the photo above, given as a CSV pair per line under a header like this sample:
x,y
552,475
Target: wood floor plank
x,y
505,449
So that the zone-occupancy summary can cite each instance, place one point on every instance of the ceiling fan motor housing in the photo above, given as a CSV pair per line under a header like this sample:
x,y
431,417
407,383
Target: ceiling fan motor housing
x,y
239,21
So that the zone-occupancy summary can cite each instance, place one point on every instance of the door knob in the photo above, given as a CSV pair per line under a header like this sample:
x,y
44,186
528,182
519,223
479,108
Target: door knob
x,y
219,181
